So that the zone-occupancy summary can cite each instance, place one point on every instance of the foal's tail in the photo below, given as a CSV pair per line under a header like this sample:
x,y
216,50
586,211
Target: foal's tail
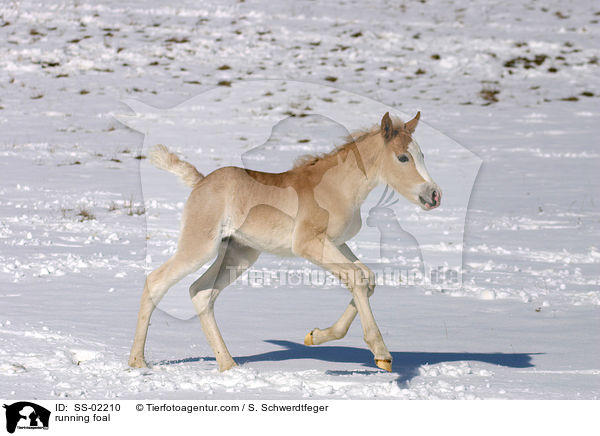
x,y
162,158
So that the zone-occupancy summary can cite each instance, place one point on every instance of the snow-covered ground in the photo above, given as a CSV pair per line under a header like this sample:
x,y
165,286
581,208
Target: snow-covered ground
x,y
515,83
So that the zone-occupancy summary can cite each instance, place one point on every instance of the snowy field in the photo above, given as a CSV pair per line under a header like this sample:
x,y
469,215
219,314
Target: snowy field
x,y
517,84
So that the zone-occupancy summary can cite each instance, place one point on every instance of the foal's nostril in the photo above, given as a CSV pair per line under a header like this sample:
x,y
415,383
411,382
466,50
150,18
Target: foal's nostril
x,y
434,197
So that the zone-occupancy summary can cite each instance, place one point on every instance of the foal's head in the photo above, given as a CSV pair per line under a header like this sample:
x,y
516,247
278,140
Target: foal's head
x,y
403,166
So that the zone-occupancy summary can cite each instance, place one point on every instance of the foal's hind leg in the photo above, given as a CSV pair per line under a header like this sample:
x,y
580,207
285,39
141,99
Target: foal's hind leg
x,y
193,251
232,261
157,284
339,329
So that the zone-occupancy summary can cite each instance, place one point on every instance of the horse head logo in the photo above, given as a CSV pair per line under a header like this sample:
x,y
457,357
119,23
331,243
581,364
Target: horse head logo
x,y
26,415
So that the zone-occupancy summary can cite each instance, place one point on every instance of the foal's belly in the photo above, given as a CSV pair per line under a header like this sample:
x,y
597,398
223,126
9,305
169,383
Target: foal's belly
x,y
266,228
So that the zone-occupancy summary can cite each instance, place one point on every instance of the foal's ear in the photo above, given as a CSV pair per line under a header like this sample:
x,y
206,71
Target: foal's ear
x,y
412,124
387,129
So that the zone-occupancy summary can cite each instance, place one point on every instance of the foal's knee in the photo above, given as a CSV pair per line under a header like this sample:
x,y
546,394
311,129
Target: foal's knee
x,y
361,290
365,278
371,290
365,283
371,282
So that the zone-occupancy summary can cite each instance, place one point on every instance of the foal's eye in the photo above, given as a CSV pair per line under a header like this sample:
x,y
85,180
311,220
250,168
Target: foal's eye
x,y
403,158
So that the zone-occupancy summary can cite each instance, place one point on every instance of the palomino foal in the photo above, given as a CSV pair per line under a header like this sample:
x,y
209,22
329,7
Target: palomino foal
x,y
309,211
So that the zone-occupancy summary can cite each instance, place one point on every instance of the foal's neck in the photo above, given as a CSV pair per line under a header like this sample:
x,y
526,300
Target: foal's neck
x,y
361,169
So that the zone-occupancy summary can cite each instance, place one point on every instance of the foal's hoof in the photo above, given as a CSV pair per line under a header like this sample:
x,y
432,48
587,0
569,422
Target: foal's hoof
x,y
227,366
384,364
308,339
136,362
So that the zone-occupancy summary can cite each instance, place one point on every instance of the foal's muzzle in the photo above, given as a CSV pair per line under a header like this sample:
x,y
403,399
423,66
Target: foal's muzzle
x,y
430,197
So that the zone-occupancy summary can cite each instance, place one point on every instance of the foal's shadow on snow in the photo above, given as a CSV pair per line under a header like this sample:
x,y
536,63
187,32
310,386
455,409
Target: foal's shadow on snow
x,y
406,364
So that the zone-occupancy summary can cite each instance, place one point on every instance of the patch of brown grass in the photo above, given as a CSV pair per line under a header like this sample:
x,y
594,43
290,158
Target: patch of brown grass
x,y
85,214
489,94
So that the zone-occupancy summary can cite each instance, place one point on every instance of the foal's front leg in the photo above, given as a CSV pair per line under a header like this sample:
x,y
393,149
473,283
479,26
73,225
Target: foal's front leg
x,y
324,253
339,329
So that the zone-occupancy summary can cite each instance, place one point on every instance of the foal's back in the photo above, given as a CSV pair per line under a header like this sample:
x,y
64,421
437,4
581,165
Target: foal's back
x,y
256,208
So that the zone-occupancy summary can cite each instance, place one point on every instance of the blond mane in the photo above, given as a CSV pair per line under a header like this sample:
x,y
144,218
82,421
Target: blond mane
x,y
355,136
